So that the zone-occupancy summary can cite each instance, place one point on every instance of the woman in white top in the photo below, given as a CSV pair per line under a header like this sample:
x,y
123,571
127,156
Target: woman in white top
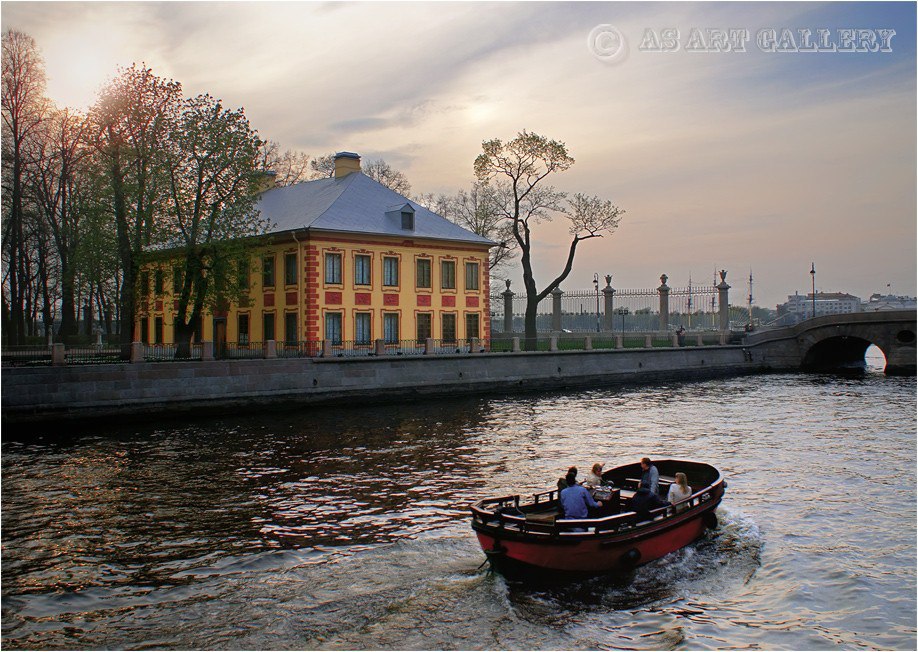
x,y
594,477
679,491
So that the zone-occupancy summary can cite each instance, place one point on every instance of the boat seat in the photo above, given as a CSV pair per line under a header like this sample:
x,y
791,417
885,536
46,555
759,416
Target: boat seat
x,y
542,518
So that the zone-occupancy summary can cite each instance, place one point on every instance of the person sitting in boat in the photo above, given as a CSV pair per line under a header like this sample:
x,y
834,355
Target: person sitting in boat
x,y
563,483
650,478
643,501
594,477
679,491
576,499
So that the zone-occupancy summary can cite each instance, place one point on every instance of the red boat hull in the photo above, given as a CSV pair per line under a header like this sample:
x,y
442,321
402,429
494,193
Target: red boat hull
x,y
593,556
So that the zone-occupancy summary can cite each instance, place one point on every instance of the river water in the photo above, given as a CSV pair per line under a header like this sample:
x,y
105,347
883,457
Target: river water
x,y
349,529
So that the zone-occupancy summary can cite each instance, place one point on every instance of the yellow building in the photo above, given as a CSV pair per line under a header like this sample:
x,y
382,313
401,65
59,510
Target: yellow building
x,y
348,261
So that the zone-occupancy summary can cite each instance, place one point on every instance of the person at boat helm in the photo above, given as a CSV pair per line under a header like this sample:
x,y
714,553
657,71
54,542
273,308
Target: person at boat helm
x,y
576,499
650,478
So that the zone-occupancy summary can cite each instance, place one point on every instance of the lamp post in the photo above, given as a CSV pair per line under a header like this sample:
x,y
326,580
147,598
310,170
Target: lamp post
x,y
596,287
623,311
813,275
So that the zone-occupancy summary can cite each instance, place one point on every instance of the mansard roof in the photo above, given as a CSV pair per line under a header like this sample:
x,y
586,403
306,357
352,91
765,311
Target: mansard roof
x,y
355,204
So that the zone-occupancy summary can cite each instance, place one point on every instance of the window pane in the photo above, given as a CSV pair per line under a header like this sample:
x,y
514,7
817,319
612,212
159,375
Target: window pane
x,y
333,268
471,276
243,329
448,275
290,328
362,270
449,327
424,320
390,271
268,326
158,282
267,271
290,269
423,273
390,328
333,327
471,325
362,334
177,279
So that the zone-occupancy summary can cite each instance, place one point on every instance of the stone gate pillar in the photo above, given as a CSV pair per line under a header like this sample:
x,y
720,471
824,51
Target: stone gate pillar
x,y
556,309
508,309
664,303
723,301
608,294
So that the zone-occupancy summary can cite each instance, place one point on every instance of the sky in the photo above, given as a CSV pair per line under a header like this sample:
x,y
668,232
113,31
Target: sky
x,y
747,160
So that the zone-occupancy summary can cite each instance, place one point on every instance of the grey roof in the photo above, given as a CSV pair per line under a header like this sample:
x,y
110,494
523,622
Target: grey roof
x,y
354,204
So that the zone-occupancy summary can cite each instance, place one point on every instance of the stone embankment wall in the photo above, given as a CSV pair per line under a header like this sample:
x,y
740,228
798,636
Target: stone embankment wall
x,y
177,388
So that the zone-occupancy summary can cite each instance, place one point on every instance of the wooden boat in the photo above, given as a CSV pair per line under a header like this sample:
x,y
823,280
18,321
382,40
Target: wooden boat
x,y
530,540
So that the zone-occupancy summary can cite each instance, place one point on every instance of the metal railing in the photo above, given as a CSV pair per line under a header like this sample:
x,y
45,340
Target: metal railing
x,y
20,356
26,356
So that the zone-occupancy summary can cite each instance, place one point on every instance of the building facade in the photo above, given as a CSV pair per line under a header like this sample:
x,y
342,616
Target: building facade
x,y
799,307
348,261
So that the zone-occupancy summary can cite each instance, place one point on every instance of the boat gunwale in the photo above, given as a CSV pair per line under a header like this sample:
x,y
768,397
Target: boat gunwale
x,y
623,524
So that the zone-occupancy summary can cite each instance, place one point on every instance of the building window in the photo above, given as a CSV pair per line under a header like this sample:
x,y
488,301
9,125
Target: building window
x,y
390,271
158,330
333,269
448,274
362,266
422,277
333,327
145,284
449,327
362,329
267,328
471,276
145,328
290,269
291,336
390,328
408,220
177,279
158,283
471,325
424,329
267,272
243,337
244,274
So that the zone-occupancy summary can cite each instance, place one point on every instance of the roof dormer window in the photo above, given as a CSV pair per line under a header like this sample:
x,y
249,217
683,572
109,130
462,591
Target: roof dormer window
x,y
408,219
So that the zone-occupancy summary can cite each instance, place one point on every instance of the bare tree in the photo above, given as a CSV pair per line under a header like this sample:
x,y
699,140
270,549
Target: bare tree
x,y
289,166
23,107
480,209
520,168
380,171
323,167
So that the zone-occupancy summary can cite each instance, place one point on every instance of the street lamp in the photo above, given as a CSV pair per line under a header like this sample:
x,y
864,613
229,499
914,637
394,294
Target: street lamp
x,y
623,311
813,275
596,286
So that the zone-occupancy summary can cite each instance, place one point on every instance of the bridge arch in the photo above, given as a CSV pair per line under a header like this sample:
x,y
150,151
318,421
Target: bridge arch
x,y
838,353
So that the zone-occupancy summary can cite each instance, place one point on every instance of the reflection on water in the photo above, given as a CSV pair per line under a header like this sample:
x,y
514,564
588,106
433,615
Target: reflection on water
x,y
349,528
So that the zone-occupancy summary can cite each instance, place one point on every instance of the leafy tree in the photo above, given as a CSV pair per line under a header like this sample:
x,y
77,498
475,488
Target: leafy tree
x,y
519,168
131,121
212,158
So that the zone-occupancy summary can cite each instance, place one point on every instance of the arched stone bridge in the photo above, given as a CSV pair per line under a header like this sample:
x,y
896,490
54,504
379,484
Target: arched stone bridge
x,y
838,342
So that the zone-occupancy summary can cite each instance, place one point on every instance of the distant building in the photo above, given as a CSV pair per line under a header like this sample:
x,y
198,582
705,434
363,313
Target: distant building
x,y
799,307
347,260
878,302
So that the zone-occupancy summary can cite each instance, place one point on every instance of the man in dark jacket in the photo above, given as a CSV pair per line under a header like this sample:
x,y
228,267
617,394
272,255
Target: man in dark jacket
x,y
643,501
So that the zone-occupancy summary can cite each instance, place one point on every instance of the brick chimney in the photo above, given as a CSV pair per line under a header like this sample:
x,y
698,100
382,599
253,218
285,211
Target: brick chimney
x,y
345,163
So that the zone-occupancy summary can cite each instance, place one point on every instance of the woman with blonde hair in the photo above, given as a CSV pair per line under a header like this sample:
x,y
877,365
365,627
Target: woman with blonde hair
x,y
679,491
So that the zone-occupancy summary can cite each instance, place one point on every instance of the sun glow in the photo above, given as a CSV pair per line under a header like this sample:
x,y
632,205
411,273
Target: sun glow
x,y
77,67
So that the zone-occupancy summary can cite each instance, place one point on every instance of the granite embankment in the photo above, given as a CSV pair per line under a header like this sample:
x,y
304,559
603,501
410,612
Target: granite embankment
x,y
70,393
